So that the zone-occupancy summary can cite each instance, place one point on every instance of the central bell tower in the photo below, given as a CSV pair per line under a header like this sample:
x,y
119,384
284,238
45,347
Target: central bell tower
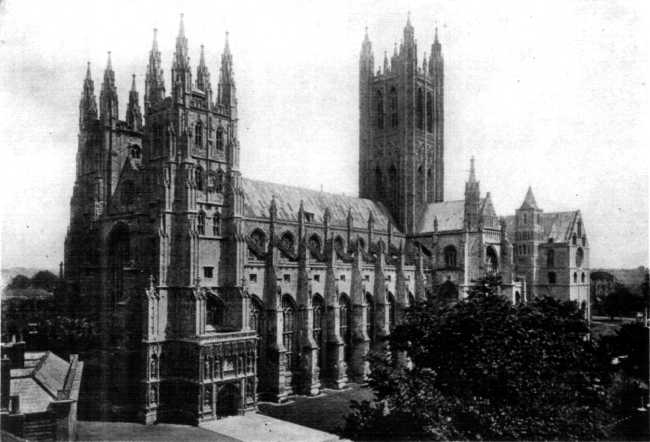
x,y
401,129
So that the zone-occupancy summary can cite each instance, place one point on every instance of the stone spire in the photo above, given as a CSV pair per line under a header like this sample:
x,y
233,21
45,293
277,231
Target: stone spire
x,y
529,200
202,74
133,112
108,103
154,85
227,90
88,102
472,198
409,32
181,73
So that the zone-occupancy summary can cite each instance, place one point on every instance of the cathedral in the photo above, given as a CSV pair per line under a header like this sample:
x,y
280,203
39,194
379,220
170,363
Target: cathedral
x,y
215,291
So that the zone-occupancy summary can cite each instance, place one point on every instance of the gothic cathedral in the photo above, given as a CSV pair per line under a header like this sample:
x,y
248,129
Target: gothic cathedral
x,y
215,291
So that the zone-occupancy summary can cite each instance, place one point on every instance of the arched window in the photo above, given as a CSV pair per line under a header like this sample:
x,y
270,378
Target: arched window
x,y
201,223
370,317
517,298
259,239
580,255
580,228
215,312
198,134
361,242
450,256
411,299
345,322
339,244
380,109
492,264
287,241
220,138
419,109
134,151
198,178
394,121
574,239
314,243
216,224
525,218
582,277
429,112
219,182
575,276
550,258
392,313
551,277
288,330
255,318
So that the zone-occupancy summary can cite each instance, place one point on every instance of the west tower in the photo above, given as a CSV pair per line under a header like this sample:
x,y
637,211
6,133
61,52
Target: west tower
x,y
401,129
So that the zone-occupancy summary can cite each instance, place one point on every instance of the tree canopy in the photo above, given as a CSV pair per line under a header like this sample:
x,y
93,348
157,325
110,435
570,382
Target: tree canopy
x,y
483,368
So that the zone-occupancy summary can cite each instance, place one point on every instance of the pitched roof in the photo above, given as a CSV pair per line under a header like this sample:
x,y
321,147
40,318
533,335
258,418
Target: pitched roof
x,y
258,195
556,225
39,382
529,201
450,215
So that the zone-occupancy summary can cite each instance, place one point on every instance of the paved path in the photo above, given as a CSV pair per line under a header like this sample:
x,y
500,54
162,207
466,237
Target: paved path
x,y
129,431
254,427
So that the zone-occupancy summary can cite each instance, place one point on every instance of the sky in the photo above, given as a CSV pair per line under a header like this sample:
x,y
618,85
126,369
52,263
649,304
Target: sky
x,y
552,95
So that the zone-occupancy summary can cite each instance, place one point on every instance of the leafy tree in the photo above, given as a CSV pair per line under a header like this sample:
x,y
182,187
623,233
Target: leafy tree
x,y
622,301
483,368
45,279
19,282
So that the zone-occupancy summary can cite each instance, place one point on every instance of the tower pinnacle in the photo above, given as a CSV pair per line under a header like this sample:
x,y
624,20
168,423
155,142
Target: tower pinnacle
x,y
88,102
133,112
108,103
154,87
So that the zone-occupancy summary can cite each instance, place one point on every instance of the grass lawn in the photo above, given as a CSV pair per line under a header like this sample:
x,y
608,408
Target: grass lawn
x,y
325,412
128,431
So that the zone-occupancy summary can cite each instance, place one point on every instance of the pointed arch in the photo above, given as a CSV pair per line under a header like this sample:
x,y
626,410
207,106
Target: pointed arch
x,y
216,224
199,178
318,311
492,260
580,256
392,311
289,330
201,222
198,134
220,140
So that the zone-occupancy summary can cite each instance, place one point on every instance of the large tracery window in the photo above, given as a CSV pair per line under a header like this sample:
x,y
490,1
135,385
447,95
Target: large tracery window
x,y
220,140
288,330
394,121
215,312
492,263
198,134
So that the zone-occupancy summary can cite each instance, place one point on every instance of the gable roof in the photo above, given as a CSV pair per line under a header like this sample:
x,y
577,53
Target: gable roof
x,y
556,225
258,195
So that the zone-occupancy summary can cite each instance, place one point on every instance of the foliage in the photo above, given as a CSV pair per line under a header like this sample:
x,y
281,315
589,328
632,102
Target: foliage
x,y
630,348
45,280
483,368
19,282
621,302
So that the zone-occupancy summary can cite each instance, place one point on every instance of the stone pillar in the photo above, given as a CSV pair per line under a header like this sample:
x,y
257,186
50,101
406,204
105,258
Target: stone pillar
x,y
382,308
309,382
336,368
360,341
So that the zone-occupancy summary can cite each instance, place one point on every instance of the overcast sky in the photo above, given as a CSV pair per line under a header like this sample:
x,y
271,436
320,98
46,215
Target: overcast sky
x,y
549,94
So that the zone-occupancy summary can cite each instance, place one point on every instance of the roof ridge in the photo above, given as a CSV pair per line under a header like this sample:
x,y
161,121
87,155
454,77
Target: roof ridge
x,y
307,189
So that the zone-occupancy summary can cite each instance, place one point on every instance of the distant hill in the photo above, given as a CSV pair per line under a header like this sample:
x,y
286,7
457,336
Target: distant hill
x,y
9,273
631,278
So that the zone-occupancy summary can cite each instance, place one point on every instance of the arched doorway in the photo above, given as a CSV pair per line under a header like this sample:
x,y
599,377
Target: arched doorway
x,y
228,400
